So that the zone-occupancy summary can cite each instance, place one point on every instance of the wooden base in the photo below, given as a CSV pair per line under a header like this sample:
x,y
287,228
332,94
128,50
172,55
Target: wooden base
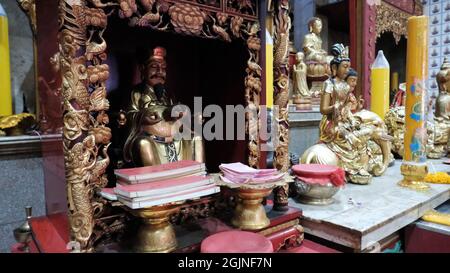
x,y
284,231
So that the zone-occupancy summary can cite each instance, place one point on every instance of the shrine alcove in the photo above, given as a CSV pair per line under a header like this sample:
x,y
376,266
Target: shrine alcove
x,y
395,53
196,67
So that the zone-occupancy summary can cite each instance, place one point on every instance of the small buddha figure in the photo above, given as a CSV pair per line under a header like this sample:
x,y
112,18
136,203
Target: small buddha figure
x,y
301,94
316,57
349,137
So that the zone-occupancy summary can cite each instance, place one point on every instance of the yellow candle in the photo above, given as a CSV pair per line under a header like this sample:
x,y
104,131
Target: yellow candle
x,y
5,79
394,82
269,70
416,76
379,102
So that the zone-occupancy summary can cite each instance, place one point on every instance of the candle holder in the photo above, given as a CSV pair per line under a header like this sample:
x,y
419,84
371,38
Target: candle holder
x,y
414,176
156,233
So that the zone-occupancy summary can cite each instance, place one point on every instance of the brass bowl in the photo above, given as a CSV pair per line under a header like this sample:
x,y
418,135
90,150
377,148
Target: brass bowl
x,y
315,194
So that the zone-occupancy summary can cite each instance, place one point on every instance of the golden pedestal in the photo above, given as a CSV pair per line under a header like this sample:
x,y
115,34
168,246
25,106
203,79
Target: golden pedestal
x,y
414,176
156,233
249,213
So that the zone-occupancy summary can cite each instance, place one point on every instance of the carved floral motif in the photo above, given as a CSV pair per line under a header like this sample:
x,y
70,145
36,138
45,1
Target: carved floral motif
x,y
82,51
187,19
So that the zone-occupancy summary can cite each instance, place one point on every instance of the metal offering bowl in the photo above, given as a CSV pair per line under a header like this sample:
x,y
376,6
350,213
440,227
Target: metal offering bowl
x,y
315,194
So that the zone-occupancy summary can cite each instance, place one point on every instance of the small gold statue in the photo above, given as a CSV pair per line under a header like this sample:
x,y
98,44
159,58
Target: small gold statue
x,y
301,95
316,57
350,137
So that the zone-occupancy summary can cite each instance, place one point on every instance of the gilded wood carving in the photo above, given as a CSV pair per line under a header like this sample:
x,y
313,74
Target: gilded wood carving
x,y
390,18
282,26
84,74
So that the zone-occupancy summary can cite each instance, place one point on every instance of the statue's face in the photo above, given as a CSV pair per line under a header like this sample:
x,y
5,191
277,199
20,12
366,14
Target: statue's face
x,y
343,70
299,57
156,73
352,81
317,26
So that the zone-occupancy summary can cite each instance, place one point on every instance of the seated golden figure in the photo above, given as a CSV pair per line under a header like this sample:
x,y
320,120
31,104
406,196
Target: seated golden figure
x,y
350,137
152,139
316,57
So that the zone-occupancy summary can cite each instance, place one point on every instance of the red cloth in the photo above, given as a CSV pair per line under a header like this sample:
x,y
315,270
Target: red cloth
x,y
236,241
320,174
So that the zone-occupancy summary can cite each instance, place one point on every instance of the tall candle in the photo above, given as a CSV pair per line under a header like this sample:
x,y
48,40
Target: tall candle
x,y
5,77
414,166
416,76
269,70
379,102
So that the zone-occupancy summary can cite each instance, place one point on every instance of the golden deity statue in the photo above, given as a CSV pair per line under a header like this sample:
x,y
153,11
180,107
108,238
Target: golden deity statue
x,y
316,58
350,137
152,139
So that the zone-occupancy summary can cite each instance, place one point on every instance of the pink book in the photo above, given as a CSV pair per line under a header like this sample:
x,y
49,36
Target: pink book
x,y
159,172
162,186
108,193
157,200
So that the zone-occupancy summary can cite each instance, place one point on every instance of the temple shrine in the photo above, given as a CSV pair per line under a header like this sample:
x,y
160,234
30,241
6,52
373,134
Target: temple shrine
x,y
225,126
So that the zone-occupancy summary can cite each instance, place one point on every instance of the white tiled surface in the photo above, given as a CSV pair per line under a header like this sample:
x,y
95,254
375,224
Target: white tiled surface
x,y
384,207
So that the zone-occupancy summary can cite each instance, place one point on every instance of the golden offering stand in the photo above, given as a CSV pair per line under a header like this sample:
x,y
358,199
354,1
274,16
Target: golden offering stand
x,y
156,233
249,213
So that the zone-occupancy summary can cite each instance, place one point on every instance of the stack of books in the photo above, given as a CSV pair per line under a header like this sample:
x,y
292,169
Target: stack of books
x,y
162,184
240,173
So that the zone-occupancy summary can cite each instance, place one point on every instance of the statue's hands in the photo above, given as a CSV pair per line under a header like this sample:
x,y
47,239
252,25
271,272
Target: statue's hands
x,y
337,109
360,103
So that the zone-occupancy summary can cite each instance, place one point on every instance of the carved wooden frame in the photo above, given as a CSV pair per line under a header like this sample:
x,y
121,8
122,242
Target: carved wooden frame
x,y
391,19
86,137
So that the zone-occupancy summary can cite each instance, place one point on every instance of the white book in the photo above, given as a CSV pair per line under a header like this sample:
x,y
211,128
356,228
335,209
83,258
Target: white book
x,y
194,193
165,195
